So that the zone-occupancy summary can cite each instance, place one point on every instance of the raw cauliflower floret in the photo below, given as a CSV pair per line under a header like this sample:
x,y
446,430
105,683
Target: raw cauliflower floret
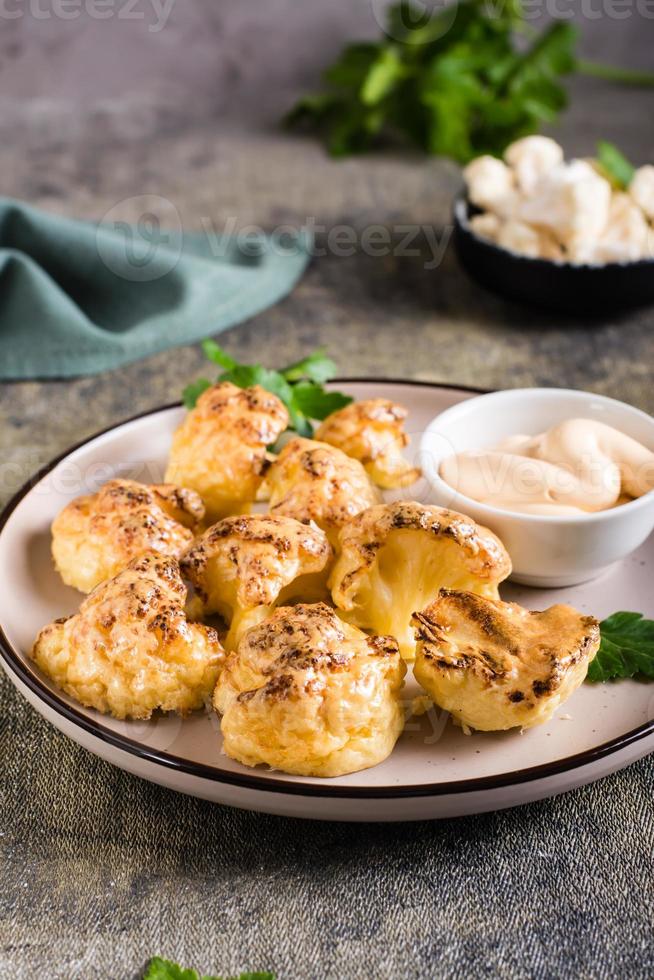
x,y
313,481
520,238
220,449
307,694
572,200
494,665
490,185
243,567
641,190
95,536
486,225
394,559
373,432
517,237
532,157
626,236
130,649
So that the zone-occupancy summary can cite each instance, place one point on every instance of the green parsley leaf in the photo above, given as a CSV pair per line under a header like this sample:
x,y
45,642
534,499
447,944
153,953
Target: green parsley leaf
x,y
216,354
383,76
316,367
316,403
160,969
193,391
615,165
626,648
458,81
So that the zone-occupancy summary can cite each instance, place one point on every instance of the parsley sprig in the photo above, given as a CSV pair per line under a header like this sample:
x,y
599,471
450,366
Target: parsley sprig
x,y
160,969
617,169
457,83
626,648
299,386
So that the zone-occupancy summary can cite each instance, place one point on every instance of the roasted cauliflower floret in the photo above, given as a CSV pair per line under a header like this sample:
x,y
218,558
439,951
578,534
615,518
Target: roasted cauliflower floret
x,y
130,650
244,566
373,432
97,535
495,665
310,695
220,447
313,481
394,558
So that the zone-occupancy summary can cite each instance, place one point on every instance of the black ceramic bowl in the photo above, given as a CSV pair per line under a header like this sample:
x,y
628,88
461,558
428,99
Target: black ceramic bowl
x,y
584,290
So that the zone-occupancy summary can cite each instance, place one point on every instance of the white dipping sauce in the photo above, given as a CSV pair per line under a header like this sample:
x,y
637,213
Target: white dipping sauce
x,y
579,466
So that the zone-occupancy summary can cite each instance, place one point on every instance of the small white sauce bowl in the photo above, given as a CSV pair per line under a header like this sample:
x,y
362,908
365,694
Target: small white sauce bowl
x,y
546,551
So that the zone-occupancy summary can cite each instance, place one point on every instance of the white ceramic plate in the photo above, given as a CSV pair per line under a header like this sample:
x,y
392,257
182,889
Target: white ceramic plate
x,y
435,770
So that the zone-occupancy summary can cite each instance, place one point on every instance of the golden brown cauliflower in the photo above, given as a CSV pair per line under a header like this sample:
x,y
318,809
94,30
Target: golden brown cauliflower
x,y
395,557
244,566
220,447
310,695
494,665
373,432
312,481
97,535
130,650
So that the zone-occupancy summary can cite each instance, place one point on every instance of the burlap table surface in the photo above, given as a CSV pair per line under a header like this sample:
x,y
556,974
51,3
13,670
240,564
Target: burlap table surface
x,y
101,870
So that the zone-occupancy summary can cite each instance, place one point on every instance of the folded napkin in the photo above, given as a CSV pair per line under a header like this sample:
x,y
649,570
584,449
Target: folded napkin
x,y
78,298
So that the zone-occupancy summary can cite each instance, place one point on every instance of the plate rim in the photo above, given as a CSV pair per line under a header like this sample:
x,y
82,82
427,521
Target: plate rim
x,y
269,783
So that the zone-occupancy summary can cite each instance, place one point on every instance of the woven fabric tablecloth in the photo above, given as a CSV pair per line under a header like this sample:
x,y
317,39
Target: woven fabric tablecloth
x,y
102,870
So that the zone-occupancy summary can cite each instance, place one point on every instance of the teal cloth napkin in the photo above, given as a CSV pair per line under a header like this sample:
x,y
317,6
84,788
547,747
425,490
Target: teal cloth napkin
x,y
78,298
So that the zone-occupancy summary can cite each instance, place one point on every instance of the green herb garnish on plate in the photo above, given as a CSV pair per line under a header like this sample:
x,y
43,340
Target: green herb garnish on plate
x,y
299,386
626,648
160,969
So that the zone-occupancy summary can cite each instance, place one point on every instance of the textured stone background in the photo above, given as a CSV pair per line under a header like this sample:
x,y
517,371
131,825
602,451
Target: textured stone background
x,y
101,870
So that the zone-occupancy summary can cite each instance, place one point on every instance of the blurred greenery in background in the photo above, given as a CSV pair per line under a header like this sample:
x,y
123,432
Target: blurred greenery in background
x,y
465,80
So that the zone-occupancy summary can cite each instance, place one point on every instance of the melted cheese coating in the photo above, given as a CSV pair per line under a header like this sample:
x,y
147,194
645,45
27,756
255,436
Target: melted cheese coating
x,y
243,566
372,431
313,481
220,449
97,535
310,695
394,558
130,649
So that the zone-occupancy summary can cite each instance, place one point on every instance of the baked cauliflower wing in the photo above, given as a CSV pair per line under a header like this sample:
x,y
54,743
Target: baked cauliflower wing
x,y
130,649
220,447
394,558
95,536
244,566
373,432
494,665
310,695
313,481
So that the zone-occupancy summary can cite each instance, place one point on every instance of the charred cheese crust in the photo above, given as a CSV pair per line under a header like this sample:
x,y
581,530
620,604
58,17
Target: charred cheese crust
x,y
97,535
495,665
